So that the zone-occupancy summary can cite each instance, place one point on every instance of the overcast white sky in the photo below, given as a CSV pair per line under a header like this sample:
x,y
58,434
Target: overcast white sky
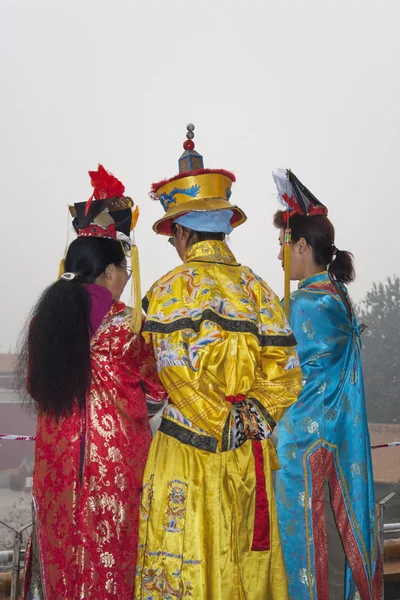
x,y
308,84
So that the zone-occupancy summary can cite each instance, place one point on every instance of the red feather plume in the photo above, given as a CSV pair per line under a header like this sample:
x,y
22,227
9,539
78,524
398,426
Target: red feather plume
x,y
105,186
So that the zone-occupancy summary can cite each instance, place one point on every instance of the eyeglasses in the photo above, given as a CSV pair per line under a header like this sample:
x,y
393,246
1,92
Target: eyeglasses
x,y
127,269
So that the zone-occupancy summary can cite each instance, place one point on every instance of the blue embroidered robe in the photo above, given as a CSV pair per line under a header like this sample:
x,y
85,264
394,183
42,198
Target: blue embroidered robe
x,y
325,436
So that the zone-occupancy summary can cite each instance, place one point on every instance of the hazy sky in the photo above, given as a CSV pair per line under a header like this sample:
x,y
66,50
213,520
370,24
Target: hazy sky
x,y
305,84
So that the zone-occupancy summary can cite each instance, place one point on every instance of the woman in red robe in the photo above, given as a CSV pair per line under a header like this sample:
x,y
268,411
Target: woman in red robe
x,y
90,377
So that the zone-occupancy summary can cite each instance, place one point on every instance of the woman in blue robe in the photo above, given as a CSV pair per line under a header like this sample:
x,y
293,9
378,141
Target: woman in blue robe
x,y
325,493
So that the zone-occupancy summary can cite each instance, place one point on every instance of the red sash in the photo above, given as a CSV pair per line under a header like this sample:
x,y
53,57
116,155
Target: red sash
x,y
261,534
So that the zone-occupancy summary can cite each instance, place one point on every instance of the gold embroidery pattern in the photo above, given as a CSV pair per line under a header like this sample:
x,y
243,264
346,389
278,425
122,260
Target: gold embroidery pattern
x,y
174,520
157,581
147,496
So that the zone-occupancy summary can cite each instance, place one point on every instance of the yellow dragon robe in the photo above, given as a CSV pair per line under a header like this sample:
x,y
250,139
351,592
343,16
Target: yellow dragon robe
x,y
226,357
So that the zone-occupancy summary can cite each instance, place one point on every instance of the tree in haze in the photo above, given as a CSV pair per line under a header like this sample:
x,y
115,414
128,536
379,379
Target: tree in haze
x,y
380,312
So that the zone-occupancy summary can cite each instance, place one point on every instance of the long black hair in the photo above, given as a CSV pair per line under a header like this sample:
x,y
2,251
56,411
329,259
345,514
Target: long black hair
x,y
53,366
319,234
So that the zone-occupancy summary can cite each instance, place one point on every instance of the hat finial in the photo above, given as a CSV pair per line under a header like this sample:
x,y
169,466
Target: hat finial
x,y
188,144
190,159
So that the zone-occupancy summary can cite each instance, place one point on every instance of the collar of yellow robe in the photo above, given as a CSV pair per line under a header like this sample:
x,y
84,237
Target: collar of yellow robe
x,y
212,251
190,295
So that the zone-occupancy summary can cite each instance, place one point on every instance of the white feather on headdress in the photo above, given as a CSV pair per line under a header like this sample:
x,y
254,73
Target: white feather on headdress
x,y
283,186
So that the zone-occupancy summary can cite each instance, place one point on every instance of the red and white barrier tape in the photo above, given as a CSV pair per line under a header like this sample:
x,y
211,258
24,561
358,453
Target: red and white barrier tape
x,y
389,445
32,438
21,438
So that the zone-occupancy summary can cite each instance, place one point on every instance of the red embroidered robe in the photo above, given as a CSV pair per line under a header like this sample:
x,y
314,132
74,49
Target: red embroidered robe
x,y
88,473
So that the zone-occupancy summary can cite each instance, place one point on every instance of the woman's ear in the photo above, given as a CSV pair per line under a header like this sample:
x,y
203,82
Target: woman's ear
x,y
109,271
302,245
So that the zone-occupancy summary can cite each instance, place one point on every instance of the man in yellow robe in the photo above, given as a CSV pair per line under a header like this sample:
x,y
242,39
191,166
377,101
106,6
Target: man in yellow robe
x,y
226,357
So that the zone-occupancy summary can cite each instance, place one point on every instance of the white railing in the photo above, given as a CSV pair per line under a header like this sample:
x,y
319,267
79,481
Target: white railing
x,y
385,527
13,558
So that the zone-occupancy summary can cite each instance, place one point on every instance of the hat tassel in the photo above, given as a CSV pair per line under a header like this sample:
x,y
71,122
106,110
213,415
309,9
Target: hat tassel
x,y
286,266
61,268
136,319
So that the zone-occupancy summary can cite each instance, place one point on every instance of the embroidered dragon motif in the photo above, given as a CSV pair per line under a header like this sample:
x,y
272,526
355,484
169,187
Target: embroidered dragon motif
x,y
167,199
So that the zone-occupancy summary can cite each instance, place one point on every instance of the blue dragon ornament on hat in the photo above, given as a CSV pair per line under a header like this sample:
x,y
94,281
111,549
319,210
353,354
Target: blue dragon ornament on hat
x,y
197,198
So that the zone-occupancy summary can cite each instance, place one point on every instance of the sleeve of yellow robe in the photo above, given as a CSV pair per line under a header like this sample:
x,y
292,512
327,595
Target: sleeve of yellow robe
x,y
277,383
216,364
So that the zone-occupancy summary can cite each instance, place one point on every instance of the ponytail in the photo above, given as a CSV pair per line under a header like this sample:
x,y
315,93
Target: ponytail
x,y
342,267
53,365
319,233
54,349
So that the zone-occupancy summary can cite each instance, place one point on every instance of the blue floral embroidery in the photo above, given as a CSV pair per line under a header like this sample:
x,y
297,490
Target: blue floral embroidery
x,y
169,302
169,355
201,343
359,468
165,554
